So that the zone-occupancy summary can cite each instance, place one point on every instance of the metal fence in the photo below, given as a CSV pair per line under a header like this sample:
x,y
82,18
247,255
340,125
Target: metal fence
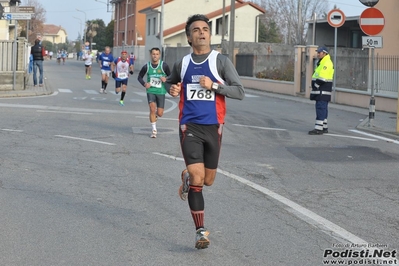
x,y
386,74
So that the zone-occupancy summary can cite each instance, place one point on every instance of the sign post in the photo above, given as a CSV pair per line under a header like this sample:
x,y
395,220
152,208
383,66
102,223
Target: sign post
x,y
372,22
336,18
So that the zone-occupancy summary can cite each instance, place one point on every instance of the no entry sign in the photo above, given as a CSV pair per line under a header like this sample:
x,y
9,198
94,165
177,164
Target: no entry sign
x,y
336,18
372,21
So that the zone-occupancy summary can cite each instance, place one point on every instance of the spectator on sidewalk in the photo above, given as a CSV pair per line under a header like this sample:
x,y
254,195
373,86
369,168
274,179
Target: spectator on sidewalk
x,y
38,54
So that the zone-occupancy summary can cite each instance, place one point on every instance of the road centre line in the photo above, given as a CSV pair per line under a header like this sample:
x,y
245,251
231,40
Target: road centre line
x,y
63,112
71,109
266,128
325,225
159,118
11,130
374,136
88,140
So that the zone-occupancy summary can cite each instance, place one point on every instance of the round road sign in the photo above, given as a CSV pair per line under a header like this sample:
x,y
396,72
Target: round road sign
x,y
336,18
372,21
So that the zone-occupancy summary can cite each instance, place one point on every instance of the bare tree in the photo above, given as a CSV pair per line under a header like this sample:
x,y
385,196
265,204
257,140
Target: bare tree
x,y
291,16
34,26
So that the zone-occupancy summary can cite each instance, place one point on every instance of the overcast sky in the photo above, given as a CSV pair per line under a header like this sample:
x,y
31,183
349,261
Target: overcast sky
x,y
62,12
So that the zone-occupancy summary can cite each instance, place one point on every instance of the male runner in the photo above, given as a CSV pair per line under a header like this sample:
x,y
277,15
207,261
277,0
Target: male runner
x,y
156,71
121,68
105,62
202,80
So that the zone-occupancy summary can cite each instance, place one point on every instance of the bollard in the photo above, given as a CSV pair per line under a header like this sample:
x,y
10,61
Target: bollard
x,y
371,111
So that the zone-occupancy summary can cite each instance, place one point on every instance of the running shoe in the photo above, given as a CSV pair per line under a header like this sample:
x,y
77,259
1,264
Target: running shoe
x,y
201,238
121,103
101,90
89,77
105,91
183,189
154,134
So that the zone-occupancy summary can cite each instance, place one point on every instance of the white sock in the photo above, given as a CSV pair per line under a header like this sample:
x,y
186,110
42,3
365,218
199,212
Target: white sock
x,y
154,126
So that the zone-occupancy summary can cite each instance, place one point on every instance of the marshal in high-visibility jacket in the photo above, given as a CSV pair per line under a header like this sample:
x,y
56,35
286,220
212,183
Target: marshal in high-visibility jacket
x,y
322,80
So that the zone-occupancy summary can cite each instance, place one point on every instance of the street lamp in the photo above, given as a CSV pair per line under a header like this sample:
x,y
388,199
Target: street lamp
x,y
84,33
80,25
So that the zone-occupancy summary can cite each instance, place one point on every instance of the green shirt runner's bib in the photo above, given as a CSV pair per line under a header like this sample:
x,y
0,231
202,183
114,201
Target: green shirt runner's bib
x,y
154,78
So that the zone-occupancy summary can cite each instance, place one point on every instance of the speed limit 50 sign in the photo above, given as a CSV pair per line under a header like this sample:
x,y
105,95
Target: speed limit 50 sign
x,y
372,41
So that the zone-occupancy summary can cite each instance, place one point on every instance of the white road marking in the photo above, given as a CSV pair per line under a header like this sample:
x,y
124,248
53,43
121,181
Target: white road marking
x,y
251,95
11,130
88,140
351,137
71,109
159,118
266,128
63,112
169,156
91,91
375,136
65,90
306,215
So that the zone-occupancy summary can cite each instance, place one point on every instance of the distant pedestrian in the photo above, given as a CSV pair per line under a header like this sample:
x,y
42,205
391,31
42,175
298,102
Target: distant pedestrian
x,y
321,90
59,57
38,54
63,56
51,54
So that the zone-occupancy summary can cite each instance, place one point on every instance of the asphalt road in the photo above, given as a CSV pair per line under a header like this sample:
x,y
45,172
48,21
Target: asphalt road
x,y
82,183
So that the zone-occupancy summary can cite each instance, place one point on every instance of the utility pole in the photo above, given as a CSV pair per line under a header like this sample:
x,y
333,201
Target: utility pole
x,y
161,28
223,21
299,34
231,36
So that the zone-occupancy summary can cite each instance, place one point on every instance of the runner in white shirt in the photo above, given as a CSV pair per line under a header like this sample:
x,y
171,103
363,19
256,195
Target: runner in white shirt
x,y
88,57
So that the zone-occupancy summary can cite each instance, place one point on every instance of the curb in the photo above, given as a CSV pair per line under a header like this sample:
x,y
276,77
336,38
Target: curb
x,y
363,126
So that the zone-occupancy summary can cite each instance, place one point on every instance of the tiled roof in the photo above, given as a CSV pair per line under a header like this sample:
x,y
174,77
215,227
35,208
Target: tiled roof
x,y
211,15
51,29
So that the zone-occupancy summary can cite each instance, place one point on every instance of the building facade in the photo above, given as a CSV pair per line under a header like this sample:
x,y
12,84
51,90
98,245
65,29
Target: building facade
x,y
54,34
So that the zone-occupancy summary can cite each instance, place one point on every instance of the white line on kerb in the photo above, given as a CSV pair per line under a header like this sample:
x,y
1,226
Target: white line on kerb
x,y
351,137
89,140
266,128
323,224
374,136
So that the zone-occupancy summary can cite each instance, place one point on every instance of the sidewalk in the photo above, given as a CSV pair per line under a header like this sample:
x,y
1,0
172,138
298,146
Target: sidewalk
x,y
384,124
29,91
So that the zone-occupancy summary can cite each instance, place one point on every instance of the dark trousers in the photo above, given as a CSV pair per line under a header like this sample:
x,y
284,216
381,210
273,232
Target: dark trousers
x,y
321,115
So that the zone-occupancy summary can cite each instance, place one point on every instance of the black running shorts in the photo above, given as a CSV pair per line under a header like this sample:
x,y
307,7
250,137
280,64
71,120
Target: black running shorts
x,y
119,83
159,99
201,144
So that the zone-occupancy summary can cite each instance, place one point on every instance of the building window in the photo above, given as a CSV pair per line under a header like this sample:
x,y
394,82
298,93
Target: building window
x,y
211,26
148,27
356,39
154,30
219,26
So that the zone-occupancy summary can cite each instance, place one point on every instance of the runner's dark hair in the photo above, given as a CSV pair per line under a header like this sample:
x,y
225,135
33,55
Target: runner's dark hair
x,y
193,18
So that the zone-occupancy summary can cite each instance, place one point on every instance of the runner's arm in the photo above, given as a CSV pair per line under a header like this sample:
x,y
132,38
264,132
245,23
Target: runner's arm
x,y
174,76
233,87
142,72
